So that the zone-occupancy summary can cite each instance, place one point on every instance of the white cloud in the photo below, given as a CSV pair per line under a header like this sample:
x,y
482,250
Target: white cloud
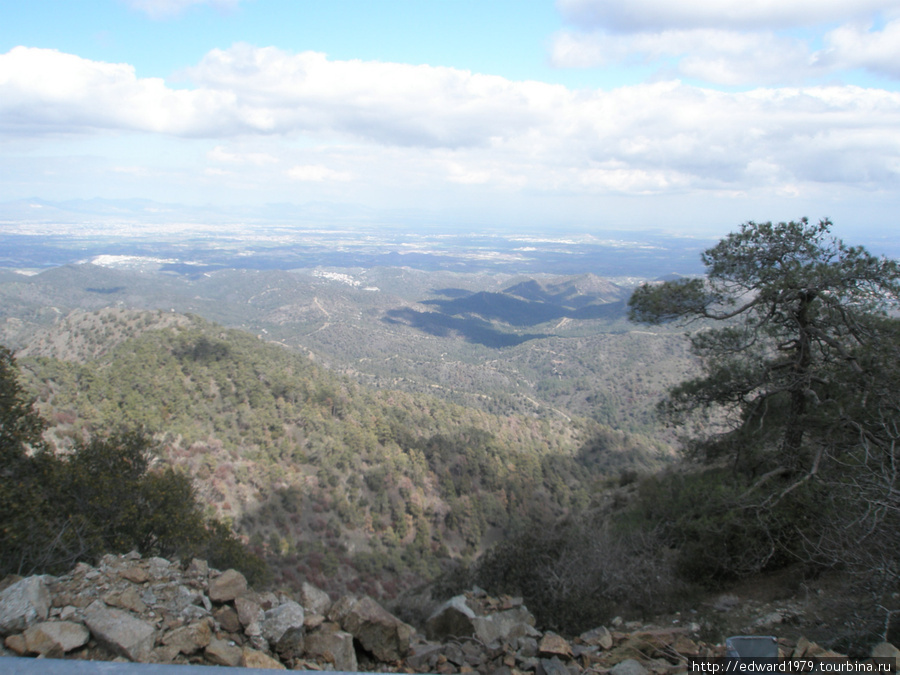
x,y
712,55
732,42
317,173
857,46
421,126
163,9
641,15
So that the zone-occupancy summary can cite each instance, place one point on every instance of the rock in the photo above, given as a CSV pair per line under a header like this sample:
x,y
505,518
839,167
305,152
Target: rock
x,y
453,618
228,619
423,657
377,630
314,600
137,575
127,599
227,586
198,568
252,658
119,631
223,653
291,643
52,637
507,625
599,637
552,644
191,638
16,644
628,667
277,620
333,646
800,648
885,650
23,604
553,667
248,611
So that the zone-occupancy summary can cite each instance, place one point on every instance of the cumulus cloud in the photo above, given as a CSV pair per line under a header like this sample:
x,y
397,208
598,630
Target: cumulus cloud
x,y
642,15
731,42
164,9
436,125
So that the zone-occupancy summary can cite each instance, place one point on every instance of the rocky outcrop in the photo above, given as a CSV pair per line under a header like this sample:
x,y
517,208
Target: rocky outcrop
x,y
154,610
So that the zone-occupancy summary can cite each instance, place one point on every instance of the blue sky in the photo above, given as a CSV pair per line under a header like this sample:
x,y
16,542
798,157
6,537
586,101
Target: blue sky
x,y
673,114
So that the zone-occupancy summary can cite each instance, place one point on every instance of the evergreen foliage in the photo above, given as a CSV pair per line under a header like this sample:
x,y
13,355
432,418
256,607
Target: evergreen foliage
x,y
800,350
105,496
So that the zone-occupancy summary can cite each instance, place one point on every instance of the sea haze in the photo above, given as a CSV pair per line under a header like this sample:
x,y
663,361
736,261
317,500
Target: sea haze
x,y
191,253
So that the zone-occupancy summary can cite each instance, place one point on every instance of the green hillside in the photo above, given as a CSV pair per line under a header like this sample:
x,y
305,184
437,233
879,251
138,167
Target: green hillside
x,y
332,481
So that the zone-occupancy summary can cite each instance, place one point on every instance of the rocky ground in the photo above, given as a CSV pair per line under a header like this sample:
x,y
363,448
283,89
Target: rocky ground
x,y
154,610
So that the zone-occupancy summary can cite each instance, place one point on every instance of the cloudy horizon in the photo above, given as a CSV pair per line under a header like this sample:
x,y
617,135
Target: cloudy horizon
x,y
690,116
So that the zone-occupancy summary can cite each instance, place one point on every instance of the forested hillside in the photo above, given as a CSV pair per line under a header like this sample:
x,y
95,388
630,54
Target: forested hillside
x,y
331,480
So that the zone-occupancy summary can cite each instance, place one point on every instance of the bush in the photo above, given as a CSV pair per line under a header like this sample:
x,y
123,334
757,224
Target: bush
x,y
579,575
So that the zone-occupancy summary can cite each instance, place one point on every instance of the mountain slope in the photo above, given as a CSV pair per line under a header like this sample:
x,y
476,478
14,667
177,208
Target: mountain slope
x,y
317,471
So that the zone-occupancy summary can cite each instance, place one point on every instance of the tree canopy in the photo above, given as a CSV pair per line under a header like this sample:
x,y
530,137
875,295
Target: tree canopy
x,y
105,497
800,345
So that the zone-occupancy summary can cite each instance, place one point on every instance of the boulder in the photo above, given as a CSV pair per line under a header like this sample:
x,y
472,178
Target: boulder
x,y
223,653
253,658
23,604
507,625
376,629
227,586
333,646
453,618
314,600
554,645
248,611
55,637
279,619
598,637
191,638
120,631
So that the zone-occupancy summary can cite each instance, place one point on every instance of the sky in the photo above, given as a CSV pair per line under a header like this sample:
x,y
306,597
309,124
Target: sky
x,y
681,115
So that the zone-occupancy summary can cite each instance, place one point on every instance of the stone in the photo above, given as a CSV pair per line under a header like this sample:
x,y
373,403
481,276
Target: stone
x,y
332,646
507,625
228,619
628,667
119,631
314,599
158,568
248,611
52,637
291,643
800,648
227,586
554,645
128,599
23,604
223,653
599,637
423,657
553,667
198,568
16,644
278,619
885,650
136,575
253,658
376,629
191,638
453,618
